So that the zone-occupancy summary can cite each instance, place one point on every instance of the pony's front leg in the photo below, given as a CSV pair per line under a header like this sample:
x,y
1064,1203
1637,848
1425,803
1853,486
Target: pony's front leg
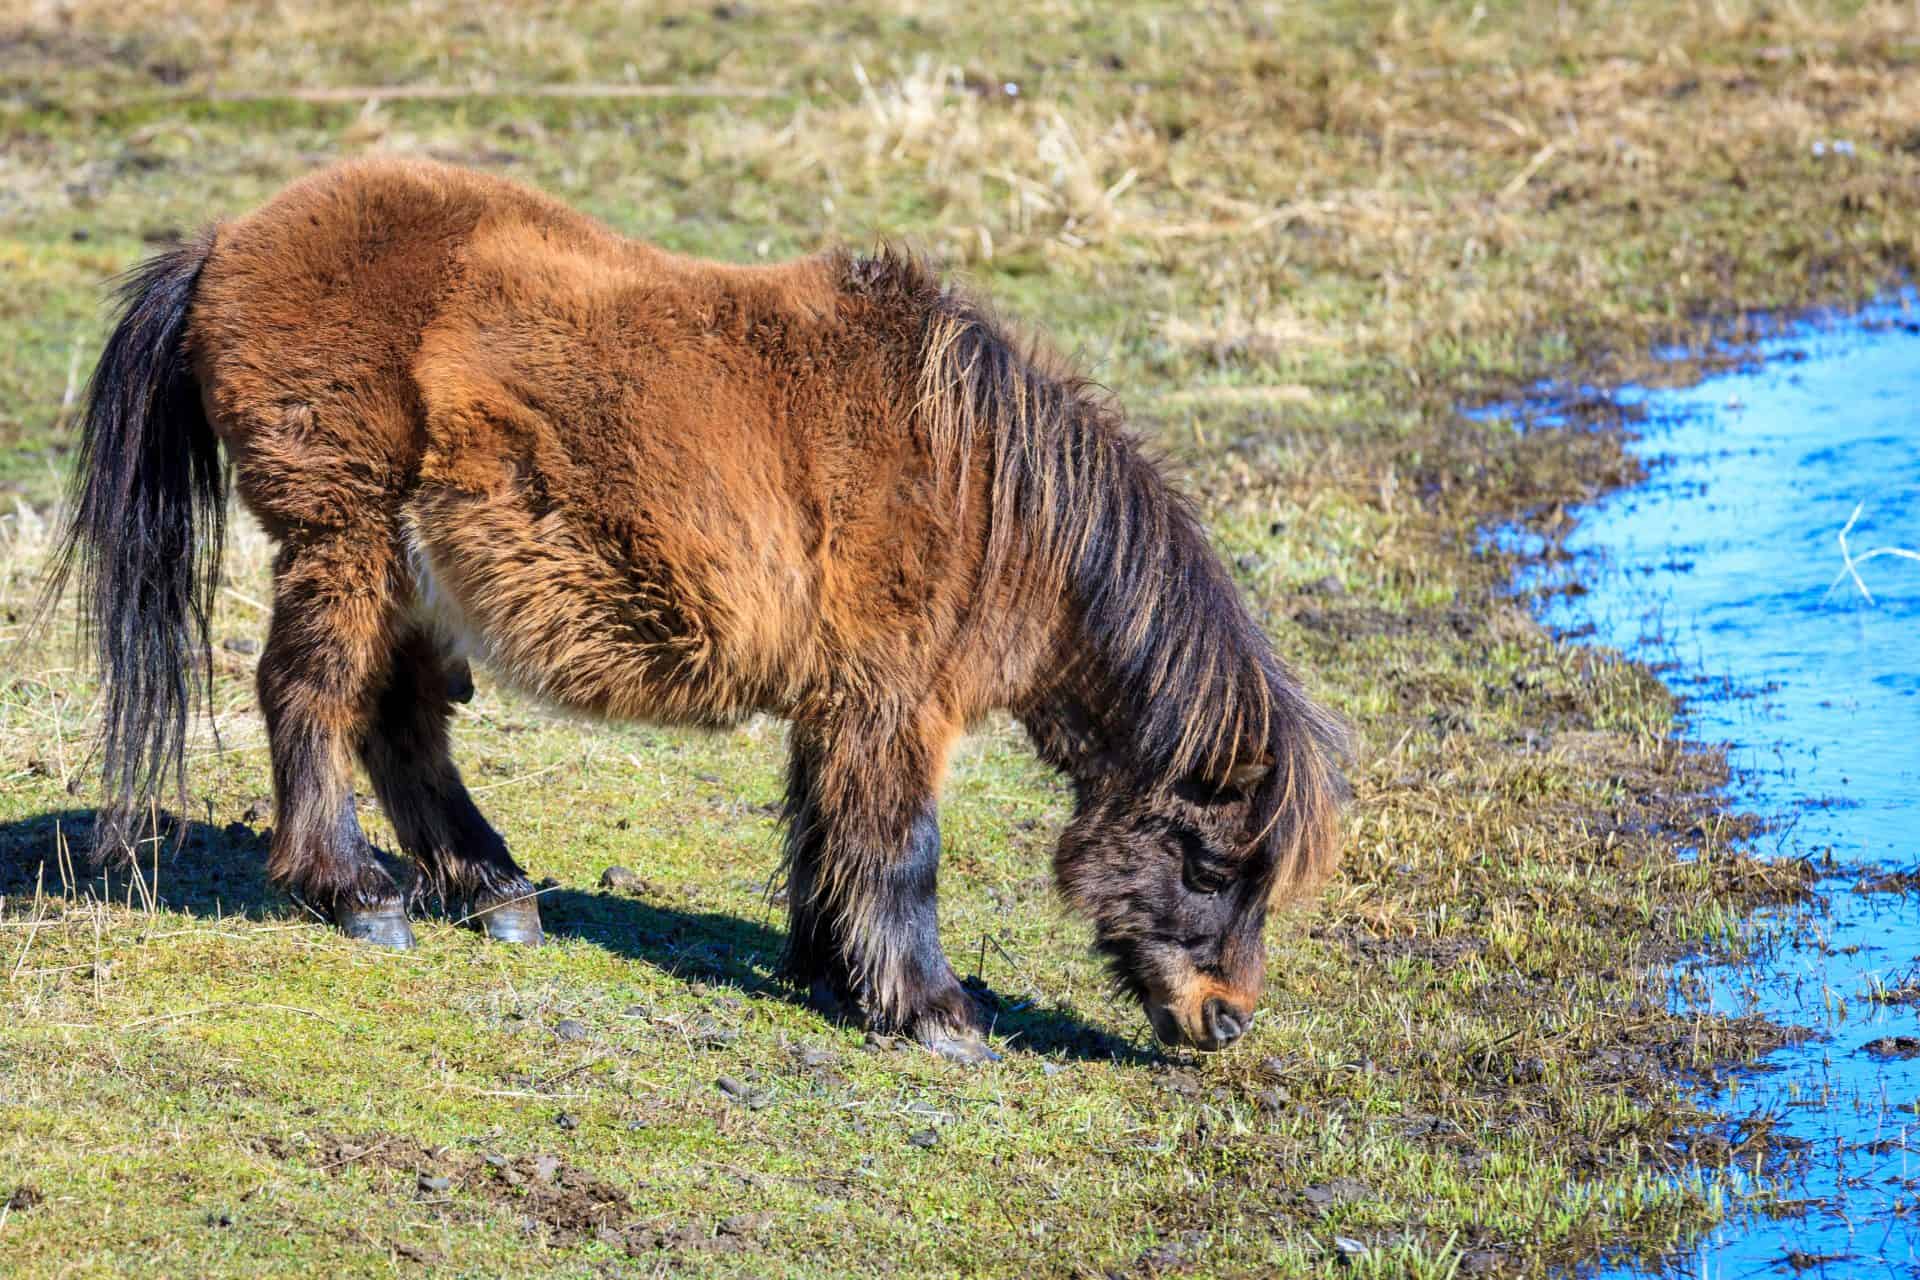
x,y
863,856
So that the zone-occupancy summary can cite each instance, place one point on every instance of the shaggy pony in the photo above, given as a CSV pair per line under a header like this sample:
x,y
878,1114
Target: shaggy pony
x,y
641,486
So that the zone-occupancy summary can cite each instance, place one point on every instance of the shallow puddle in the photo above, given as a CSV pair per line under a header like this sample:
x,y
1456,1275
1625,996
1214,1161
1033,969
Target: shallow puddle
x,y
1725,570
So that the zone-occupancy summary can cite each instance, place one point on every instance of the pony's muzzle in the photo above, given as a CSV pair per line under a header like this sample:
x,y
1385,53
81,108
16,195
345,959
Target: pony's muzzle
x,y
1209,1024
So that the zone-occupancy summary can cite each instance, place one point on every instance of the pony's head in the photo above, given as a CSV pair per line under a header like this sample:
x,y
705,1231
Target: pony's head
x,y
1178,880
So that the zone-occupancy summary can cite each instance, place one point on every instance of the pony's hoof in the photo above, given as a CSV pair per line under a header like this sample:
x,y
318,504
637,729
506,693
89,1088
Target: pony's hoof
x,y
384,925
967,1050
824,998
516,920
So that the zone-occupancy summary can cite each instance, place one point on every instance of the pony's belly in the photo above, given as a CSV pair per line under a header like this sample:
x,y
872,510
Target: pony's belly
x,y
551,616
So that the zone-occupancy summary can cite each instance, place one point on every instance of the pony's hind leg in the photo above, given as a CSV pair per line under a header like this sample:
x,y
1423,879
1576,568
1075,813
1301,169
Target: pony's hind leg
x,y
327,644
863,852
406,754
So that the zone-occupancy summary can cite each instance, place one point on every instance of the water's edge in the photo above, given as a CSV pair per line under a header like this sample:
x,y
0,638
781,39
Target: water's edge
x,y
1715,572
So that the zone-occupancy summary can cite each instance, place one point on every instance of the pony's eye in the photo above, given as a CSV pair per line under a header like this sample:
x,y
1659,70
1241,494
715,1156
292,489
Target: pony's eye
x,y
1200,870
1202,876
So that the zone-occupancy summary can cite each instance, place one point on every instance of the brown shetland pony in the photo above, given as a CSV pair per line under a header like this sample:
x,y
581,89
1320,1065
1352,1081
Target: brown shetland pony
x,y
644,486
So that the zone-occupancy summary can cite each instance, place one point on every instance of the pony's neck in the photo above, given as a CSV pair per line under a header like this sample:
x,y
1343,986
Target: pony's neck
x,y
1065,732
1103,567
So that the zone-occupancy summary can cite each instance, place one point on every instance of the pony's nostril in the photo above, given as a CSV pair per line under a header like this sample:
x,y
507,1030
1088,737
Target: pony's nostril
x,y
1224,1023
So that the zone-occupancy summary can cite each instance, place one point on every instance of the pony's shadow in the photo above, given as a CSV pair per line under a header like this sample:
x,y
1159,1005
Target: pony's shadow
x,y
219,872
205,870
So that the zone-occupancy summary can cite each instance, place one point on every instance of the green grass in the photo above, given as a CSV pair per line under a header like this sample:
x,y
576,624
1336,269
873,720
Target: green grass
x,y
1296,242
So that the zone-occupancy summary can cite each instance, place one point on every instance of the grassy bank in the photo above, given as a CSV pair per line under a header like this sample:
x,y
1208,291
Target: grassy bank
x,y
1296,241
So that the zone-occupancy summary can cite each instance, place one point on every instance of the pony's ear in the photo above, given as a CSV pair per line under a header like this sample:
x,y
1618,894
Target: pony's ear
x,y
1244,775
1241,779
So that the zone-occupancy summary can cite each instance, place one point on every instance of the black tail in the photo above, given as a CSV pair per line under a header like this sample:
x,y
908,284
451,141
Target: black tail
x,y
146,518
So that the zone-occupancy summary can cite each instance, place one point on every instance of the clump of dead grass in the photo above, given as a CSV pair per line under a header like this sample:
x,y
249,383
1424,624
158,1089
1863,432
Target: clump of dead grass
x,y
1236,333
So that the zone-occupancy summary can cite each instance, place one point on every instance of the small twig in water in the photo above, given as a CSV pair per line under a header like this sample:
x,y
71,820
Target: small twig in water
x,y
1852,562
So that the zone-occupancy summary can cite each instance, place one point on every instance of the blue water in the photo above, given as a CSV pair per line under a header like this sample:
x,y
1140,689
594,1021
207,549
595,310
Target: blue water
x,y
1721,570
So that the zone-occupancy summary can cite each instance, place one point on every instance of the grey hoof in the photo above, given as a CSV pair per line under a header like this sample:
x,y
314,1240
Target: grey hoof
x,y
384,925
966,1050
516,920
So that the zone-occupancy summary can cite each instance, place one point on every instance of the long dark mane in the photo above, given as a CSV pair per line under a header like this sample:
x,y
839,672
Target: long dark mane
x,y
1175,672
